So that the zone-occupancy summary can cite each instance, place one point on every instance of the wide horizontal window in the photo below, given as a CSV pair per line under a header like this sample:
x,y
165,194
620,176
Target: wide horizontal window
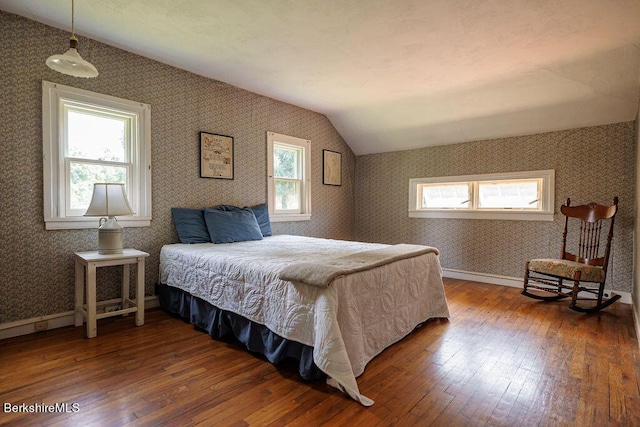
x,y
516,195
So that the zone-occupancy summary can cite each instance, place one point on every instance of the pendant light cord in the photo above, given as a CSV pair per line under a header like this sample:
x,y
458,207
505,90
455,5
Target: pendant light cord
x,y
72,17
73,42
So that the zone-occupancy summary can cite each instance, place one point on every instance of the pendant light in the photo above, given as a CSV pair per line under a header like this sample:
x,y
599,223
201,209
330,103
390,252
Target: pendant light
x,y
71,63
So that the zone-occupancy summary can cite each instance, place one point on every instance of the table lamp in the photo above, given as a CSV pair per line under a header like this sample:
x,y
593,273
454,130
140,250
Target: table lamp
x,y
109,200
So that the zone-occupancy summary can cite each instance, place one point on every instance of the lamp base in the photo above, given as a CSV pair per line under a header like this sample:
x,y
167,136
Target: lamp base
x,y
110,237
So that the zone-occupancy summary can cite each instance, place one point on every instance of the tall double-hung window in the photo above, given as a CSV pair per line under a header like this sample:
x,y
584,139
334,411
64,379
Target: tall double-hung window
x,y
288,177
525,195
90,138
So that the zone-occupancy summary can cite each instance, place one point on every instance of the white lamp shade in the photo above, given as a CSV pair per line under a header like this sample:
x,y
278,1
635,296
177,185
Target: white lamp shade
x,y
109,200
72,64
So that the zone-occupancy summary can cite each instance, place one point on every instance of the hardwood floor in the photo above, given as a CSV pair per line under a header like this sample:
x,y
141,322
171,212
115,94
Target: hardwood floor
x,y
502,359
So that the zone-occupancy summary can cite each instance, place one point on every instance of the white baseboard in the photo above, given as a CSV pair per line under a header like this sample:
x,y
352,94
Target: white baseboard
x,y
514,282
636,318
59,320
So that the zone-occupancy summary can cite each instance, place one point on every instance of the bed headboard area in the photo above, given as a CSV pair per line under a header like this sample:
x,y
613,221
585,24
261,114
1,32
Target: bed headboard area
x,y
222,223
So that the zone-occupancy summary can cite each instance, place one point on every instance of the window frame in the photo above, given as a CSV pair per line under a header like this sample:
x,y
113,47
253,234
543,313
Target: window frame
x,y
304,146
55,101
472,211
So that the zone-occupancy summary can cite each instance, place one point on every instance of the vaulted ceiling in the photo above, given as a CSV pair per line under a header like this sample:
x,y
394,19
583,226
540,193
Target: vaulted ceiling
x,y
392,74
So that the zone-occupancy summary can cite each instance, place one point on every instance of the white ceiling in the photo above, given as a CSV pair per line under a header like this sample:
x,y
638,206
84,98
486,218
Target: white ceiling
x,y
392,74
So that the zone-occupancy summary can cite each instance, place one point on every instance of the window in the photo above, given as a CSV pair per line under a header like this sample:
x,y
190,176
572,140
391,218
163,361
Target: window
x,y
288,178
516,195
444,196
89,138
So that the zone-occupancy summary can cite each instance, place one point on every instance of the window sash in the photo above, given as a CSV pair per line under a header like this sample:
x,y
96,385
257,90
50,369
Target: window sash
x,y
297,160
517,201
460,200
297,184
70,211
298,171
130,122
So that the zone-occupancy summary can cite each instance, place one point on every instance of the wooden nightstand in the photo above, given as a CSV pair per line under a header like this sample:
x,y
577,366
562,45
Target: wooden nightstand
x,y
86,265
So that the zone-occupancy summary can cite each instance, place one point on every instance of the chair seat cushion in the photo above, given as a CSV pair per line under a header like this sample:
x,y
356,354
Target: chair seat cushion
x,y
567,269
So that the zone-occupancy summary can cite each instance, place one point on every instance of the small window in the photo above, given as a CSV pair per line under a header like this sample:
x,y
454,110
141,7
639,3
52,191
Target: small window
x,y
288,171
287,174
517,195
445,196
89,138
96,148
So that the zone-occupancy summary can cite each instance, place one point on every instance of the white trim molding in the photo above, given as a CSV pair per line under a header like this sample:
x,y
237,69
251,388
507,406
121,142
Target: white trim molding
x,y
513,282
59,320
636,318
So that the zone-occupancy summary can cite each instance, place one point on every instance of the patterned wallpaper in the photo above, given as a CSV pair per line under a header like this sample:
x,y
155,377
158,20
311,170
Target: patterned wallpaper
x,y
37,265
591,164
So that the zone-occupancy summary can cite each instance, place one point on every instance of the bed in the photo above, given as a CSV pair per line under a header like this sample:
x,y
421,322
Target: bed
x,y
340,303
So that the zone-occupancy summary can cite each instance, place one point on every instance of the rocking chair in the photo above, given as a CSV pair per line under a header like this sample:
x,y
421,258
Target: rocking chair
x,y
585,272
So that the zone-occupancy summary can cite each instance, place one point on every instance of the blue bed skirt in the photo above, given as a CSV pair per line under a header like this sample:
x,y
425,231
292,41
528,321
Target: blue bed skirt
x,y
224,324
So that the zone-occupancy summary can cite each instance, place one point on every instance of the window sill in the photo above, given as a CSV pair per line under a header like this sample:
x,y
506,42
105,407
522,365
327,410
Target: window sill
x,y
290,217
91,222
501,215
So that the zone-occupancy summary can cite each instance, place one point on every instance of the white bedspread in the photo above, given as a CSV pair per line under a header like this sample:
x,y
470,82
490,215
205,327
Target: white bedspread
x,y
347,323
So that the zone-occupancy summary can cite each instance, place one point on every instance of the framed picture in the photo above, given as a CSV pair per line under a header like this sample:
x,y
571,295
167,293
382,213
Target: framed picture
x,y
216,156
331,167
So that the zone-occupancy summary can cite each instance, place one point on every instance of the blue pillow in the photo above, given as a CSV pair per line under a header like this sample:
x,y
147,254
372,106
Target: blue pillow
x,y
236,225
225,207
262,216
190,225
